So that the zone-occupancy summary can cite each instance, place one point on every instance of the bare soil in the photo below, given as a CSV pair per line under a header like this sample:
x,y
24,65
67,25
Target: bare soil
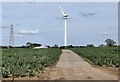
x,y
73,67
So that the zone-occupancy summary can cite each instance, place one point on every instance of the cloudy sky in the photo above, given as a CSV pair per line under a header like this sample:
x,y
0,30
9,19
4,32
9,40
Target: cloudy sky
x,y
88,22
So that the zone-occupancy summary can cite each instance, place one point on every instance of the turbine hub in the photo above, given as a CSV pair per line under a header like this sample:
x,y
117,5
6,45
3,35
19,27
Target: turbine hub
x,y
66,16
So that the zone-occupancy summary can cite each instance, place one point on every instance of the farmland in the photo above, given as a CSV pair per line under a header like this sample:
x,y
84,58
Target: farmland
x,y
26,62
107,56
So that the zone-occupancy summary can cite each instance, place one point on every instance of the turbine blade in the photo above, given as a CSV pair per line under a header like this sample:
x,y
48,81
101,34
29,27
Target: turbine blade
x,y
62,19
61,9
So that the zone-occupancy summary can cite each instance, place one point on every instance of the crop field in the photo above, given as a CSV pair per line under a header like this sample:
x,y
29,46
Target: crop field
x,y
26,62
107,56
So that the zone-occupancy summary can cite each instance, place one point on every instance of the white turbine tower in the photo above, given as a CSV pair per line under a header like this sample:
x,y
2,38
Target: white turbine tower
x,y
65,16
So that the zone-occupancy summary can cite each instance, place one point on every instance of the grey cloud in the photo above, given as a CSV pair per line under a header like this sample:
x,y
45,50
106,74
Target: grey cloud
x,y
18,36
88,14
28,32
18,24
104,34
111,27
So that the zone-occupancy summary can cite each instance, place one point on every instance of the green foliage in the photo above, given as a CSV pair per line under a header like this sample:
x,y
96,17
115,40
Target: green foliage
x,y
61,47
101,45
110,42
31,45
90,45
66,47
55,46
26,62
100,55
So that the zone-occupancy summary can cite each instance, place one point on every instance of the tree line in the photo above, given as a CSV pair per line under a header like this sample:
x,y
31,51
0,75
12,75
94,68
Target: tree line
x,y
109,43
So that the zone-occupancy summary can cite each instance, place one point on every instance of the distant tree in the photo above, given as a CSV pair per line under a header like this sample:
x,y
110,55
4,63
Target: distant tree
x,y
101,45
76,46
29,44
61,47
55,46
90,45
110,42
23,46
70,46
82,46
36,44
5,46
48,46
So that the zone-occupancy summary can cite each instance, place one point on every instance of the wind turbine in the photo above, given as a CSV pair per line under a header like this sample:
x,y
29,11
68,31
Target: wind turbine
x,y
65,16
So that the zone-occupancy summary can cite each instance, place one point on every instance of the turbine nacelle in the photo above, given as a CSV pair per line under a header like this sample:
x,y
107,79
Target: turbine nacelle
x,y
65,16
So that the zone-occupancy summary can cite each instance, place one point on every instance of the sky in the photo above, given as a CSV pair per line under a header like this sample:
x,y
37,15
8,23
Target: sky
x,y
59,0
88,22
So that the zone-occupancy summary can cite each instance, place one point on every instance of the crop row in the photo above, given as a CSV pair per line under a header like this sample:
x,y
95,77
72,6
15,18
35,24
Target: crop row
x,y
107,56
26,62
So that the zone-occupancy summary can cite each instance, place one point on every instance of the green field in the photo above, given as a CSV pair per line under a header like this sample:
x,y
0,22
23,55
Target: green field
x,y
107,56
21,62
26,62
